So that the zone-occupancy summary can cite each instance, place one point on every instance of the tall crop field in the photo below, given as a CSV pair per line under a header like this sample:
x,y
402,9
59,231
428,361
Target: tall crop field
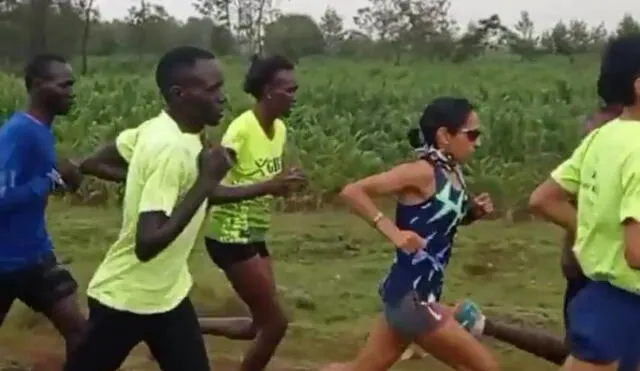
x,y
352,117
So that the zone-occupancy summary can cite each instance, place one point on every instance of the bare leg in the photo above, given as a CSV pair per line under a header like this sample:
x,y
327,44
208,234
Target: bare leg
x,y
253,281
449,342
383,348
453,345
235,328
69,320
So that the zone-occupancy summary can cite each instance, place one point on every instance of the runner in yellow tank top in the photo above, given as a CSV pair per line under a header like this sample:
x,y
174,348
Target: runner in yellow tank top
x,y
236,238
259,160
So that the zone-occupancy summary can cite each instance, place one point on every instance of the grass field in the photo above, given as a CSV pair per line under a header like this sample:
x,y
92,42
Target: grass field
x,y
328,266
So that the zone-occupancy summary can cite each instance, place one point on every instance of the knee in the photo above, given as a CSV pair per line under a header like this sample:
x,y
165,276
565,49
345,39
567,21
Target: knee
x,y
74,333
73,343
269,316
488,364
276,322
492,366
279,322
250,332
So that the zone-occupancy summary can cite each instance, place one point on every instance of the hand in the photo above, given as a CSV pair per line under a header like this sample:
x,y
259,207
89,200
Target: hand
x,y
290,180
482,206
70,174
214,163
408,241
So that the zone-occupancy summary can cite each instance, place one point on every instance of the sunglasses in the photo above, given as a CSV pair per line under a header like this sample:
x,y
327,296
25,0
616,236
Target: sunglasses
x,y
472,134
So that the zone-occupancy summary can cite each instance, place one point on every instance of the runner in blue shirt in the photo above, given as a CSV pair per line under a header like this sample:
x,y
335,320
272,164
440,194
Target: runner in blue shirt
x,y
29,173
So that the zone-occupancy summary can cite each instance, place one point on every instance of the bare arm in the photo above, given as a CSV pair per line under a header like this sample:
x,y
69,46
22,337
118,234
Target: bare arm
x,y
554,203
111,161
282,184
224,194
156,230
106,163
359,195
161,218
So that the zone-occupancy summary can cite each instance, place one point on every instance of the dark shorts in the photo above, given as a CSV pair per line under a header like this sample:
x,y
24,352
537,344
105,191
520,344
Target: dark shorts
x,y
225,254
173,338
412,317
604,325
40,286
629,362
574,286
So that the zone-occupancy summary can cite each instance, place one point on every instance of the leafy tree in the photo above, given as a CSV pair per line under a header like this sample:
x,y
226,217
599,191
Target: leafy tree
x,y
332,28
293,35
628,26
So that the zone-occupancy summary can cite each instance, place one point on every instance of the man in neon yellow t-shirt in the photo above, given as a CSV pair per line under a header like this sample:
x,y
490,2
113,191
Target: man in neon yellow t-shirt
x,y
237,233
139,293
603,174
111,163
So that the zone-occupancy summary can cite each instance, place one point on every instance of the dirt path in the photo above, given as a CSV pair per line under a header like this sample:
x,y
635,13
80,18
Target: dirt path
x,y
48,361
45,356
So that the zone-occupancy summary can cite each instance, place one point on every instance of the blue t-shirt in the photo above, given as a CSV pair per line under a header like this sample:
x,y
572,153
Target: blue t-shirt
x,y
27,159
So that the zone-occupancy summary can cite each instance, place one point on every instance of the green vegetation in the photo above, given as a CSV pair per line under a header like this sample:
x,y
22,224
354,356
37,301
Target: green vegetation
x,y
352,118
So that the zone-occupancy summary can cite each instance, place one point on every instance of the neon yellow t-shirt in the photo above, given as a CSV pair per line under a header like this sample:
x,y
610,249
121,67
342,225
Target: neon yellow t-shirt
x,y
259,159
126,141
604,171
162,168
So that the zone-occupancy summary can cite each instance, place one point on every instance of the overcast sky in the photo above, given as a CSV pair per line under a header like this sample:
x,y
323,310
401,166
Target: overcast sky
x,y
544,13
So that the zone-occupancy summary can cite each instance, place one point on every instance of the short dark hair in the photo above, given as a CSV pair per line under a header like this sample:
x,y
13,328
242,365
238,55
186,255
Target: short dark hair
x,y
448,112
262,71
619,69
175,60
606,92
38,67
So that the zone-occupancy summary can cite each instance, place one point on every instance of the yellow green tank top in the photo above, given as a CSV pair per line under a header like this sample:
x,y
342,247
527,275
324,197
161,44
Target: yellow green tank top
x,y
259,159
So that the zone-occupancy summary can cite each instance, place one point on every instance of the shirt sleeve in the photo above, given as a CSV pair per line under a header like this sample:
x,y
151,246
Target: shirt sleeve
x,y
165,181
234,137
567,174
15,156
126,142
630,179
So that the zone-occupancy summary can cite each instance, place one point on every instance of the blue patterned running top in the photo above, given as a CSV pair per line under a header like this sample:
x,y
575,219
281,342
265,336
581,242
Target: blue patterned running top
x,y
436,220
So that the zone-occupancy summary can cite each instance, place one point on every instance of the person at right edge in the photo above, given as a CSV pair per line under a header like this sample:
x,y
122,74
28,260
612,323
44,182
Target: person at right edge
x,y
539,342
603,175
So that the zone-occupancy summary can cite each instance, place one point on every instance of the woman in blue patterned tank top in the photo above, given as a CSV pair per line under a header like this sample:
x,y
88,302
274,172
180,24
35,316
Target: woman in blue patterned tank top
x,y
432,203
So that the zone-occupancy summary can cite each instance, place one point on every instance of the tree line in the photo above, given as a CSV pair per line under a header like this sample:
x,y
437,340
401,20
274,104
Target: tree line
x,y
391,29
